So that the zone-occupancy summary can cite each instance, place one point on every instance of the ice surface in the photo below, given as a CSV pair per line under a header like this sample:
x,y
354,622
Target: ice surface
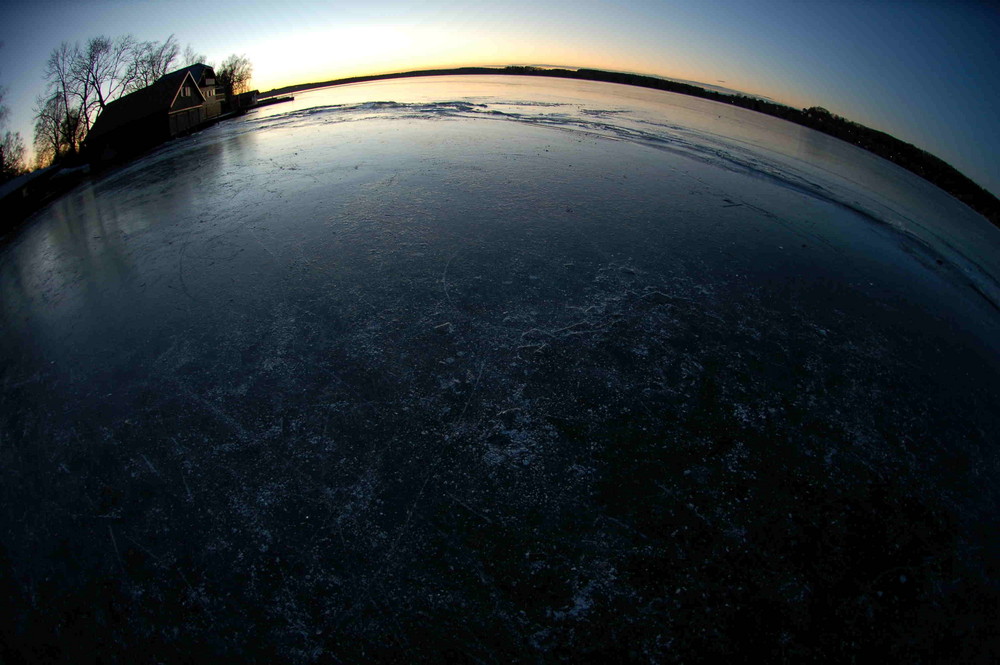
x,y
479,367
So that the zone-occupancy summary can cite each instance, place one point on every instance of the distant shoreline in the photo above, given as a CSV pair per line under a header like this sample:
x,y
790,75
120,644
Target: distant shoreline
x,y
917,161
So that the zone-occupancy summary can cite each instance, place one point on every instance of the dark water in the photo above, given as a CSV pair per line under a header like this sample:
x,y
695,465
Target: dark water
x,y
492,372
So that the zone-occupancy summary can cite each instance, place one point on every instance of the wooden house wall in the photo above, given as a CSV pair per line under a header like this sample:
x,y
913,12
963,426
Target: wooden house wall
x,y
185,121
131,138
193,98
212,106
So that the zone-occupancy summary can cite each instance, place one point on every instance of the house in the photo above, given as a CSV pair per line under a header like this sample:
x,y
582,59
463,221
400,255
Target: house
x,y
174,104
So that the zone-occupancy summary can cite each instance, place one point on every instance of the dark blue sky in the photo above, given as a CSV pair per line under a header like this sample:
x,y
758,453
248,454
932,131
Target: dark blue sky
x,y
926,72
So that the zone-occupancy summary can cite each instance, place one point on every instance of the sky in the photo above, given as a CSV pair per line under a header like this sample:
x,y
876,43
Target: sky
x,y
926,72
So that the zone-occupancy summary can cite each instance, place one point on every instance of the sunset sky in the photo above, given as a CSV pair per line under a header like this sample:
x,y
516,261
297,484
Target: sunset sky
x,y
926,72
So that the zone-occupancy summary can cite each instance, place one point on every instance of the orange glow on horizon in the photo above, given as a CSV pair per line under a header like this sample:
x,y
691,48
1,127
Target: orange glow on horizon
x,y
330,54
787,97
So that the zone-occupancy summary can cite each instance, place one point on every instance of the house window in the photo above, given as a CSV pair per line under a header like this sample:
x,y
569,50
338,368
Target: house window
x,y
187,91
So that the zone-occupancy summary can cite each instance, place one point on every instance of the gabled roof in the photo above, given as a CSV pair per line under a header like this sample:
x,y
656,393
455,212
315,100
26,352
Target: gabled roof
x,y
197,71
148,101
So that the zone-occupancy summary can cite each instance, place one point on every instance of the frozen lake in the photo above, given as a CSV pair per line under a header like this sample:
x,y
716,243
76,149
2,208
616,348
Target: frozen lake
x,y
496,368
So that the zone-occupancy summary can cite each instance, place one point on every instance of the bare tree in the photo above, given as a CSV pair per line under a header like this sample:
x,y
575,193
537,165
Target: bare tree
x,y
11,156
11,147
73,94
62,116
48,139
152,60
82,82
192,57
234,74
58,130
108,66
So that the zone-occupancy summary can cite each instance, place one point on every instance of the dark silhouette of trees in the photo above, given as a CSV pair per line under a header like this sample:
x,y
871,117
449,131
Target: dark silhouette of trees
x,y
83,81
11,155
58,129
192,57
153,60
109,67
11,147
234,74
924,164
63,109
910,157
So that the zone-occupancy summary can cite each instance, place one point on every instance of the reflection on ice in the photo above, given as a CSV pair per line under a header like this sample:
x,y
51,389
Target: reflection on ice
x,y
720,135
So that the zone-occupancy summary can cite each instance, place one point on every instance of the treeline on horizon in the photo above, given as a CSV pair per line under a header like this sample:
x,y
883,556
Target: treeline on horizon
x,y
922,163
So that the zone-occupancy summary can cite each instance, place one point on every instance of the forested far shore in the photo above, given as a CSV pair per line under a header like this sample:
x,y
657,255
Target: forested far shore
x,y
906,155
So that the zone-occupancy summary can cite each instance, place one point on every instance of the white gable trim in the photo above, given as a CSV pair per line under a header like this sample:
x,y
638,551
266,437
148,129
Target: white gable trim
x,y
177,94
